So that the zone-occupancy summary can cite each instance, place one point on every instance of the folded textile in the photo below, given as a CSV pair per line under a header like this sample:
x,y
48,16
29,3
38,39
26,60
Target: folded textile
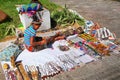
x,y
30,7
103,33
6,53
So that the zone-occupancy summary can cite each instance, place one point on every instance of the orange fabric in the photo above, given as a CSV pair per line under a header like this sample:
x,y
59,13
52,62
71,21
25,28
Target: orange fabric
x,y
30,48
94,28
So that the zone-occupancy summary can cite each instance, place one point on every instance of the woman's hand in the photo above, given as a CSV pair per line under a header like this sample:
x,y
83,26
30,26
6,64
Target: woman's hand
x,y
44,41
59,38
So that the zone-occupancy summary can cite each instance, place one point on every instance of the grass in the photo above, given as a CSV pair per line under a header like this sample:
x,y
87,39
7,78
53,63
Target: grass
x,y
50,5
8,6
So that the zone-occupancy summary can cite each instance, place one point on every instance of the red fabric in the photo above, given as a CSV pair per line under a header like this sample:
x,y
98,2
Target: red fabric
x,y
30,48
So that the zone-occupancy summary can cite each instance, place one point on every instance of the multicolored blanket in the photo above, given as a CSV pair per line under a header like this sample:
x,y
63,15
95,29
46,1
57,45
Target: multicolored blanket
x,y
30,7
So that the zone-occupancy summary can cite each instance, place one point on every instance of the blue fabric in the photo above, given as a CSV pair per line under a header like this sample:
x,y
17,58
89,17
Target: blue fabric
x,y
29,32
94,31
9,51
30,7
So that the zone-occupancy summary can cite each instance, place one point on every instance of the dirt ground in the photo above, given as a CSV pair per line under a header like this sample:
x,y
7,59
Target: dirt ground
x,y
107,14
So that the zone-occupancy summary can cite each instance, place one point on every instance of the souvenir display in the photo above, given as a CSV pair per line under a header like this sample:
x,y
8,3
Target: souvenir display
x,y
69,47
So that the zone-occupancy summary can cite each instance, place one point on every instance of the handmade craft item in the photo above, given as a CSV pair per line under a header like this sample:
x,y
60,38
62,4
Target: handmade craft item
x,y
94,29
79,30
63,48
18,74
99,47
39,73
34,72
103,34
43,72
22,70
12,60
12,75
28,72
88,37
6,66
9,73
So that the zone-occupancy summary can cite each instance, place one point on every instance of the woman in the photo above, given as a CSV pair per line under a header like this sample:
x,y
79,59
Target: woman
x,y
30,37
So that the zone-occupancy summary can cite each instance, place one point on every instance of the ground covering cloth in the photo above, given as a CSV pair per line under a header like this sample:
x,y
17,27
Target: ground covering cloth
x,y
64,60
10,50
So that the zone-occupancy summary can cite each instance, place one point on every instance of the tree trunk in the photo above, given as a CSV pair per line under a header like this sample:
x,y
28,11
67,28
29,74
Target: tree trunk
x,y
3,16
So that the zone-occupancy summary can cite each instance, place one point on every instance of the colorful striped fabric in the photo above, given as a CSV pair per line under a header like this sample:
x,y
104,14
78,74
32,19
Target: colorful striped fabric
x,y
29,32
104,33
30,7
